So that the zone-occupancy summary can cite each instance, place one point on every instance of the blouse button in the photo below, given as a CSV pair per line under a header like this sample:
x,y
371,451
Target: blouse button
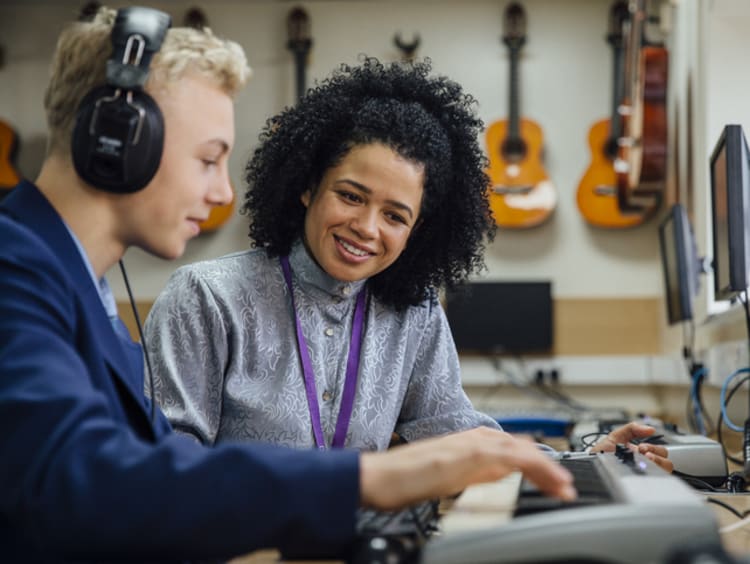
x,y
346,290
329,332
326,395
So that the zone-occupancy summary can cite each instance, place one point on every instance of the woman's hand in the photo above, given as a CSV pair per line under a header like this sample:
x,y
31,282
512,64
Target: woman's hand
x,y
629,432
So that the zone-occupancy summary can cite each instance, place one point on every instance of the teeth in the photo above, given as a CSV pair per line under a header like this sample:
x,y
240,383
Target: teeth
x,y
353,250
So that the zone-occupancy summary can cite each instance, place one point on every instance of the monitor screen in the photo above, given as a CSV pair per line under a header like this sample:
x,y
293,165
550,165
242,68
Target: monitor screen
x,y
730,191
680,264
501,317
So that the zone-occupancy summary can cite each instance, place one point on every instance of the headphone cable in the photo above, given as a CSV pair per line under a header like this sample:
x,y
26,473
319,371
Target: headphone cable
x,y
143,342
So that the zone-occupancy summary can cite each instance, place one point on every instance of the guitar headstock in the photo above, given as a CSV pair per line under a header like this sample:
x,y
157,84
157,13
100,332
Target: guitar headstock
x,y
298,30
618,15
514,26
195,18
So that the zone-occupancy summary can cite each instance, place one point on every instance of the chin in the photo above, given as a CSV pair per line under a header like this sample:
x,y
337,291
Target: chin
x,y
346,275
167,253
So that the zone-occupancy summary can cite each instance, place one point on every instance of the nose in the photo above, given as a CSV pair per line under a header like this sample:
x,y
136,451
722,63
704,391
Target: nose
x,y
365,223
222,191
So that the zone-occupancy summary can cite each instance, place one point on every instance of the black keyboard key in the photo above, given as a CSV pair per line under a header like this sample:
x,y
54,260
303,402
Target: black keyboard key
x,y
592,490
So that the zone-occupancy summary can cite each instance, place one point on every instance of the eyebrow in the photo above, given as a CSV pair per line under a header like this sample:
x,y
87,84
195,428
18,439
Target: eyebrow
x,y
223,145
366,190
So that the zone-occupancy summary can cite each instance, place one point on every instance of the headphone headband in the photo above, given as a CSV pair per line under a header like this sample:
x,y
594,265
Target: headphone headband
x,y
119,134
144,26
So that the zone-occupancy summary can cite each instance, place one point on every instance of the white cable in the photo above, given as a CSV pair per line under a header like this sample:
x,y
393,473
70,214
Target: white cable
x,y
734,526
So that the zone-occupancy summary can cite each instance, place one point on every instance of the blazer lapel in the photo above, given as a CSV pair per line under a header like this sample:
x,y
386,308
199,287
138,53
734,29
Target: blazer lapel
x,y
29,206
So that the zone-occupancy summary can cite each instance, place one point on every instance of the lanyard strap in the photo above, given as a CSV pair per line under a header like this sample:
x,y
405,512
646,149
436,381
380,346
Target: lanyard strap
x,y
352,368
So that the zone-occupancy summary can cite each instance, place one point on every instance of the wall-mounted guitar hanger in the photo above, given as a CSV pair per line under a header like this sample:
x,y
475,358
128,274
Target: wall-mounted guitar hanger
x,y
408,50
299,43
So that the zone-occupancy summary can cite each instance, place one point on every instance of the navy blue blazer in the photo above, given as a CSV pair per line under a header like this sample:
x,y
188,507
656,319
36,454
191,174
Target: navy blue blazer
x,y
84,473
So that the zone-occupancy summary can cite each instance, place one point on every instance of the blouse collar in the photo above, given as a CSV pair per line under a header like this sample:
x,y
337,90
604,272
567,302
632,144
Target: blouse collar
x,y
308,273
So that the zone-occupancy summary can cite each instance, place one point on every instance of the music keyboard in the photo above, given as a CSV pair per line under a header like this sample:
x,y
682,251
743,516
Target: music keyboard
x,y
692,454
631,513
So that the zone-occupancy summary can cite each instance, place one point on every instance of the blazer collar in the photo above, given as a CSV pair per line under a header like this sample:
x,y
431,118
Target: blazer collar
x,y
30,207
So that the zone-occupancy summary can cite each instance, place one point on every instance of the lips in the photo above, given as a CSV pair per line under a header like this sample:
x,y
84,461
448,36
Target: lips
x,y
352,248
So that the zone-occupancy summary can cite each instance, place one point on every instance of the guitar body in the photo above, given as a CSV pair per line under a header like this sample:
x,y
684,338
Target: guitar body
x,y
219,216
642,155
9,176
654,156
521,193
597,191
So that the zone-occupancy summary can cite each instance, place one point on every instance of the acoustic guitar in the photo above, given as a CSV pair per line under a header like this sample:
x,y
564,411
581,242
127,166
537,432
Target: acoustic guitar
x,y
521,194
597,191
299,43
641,163
9,176
219,215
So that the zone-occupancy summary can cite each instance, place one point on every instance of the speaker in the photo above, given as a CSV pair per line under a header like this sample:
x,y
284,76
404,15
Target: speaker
x,y
118,137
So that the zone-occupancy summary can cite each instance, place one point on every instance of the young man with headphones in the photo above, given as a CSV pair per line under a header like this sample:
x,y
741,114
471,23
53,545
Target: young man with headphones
x,y
88,471
140,129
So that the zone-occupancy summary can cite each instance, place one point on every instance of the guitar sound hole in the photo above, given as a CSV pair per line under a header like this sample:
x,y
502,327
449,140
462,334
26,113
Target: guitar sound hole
x,y
611,148
513,149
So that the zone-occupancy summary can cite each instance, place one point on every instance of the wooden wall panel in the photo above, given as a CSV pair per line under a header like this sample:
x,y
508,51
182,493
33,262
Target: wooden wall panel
x,y
606,326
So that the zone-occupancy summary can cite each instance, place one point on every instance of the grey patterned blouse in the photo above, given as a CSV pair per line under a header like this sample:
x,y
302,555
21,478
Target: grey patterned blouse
x,y
223,348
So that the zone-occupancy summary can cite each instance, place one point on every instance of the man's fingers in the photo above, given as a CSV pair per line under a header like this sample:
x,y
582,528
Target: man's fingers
x,y
546,474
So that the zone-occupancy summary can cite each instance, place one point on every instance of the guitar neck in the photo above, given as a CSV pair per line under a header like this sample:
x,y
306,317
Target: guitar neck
x,y
300,49
617,92
300,58
514,130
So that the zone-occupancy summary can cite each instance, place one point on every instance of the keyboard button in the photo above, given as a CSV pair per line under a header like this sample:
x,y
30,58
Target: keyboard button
x,y
587,480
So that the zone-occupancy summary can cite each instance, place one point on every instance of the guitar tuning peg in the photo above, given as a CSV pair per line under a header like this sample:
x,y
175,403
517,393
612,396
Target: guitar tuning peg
x,y
195,18
407,49
88,11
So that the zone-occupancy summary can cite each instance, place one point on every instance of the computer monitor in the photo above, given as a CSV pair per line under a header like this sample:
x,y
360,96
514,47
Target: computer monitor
x,y
681,265
730,205
501,317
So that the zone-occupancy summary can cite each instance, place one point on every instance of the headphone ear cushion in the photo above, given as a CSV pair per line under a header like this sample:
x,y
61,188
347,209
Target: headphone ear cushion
x,y
118,140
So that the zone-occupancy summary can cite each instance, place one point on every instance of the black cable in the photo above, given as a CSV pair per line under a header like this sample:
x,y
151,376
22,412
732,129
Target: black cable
x,y
696,482
596,436
746,431
143,342
720,421
746,306
727,507
565,399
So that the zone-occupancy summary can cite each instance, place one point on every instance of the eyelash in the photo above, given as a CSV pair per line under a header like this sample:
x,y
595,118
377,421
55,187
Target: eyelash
x,y
355,198
396,217
350,196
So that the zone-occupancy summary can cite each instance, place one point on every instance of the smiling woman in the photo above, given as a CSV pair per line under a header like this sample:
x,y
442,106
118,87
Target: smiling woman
x,y
329,333
362,213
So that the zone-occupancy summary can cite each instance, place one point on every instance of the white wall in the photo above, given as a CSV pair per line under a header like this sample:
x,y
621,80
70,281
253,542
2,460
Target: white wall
x,y
565,86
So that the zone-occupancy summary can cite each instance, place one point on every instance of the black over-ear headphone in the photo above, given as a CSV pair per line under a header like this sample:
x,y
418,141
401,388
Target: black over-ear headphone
x,y
119,133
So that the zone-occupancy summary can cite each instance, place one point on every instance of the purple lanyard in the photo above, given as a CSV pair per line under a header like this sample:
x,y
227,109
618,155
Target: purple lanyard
x,y
352,368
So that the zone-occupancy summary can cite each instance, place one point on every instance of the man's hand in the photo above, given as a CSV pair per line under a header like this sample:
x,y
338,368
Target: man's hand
x,y
446,465
629,432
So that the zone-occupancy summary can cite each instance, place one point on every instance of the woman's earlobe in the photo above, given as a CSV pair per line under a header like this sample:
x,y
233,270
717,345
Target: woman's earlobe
x,y
305,198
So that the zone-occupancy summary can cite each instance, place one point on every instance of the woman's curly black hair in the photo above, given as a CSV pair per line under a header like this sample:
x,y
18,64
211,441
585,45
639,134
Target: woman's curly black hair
x,y
428,120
